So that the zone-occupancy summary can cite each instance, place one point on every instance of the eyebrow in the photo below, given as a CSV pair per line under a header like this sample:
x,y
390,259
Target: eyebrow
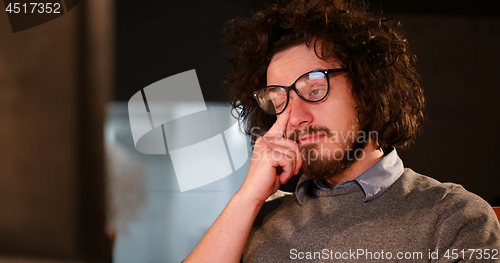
x,y
267,85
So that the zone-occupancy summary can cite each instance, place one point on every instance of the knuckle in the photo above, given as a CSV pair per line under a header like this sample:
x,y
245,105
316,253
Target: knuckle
x,y
267,153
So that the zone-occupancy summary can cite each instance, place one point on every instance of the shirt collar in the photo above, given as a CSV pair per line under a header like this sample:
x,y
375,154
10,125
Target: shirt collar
x,y
374,181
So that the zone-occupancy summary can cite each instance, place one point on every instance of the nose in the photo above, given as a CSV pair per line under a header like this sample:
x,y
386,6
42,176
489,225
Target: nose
x,y
300,114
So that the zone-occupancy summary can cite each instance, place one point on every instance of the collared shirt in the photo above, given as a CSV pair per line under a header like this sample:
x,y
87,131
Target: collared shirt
x,y
374,181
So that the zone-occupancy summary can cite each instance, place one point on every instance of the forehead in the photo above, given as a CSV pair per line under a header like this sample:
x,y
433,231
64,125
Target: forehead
x,y
286,66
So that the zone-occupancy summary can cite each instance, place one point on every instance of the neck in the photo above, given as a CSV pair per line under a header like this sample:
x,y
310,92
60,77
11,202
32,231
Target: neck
x,y
371,156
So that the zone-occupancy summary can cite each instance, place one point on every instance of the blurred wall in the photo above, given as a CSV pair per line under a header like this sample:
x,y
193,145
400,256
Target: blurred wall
x,y
54,81
458,61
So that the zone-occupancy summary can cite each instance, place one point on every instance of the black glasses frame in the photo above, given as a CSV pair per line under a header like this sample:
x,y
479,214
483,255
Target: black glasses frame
x,y
326,72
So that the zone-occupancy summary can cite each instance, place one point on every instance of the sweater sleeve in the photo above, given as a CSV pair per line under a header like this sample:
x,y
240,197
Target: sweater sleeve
x,y
467,230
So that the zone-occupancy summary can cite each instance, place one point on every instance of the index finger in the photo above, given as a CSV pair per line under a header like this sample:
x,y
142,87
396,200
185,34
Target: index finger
x,y
279,127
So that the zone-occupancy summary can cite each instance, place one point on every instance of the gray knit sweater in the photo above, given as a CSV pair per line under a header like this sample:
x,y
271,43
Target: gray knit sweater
x,y
418,219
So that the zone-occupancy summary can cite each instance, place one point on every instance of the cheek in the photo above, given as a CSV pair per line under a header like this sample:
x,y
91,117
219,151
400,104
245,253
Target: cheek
x,y
337,114
345,105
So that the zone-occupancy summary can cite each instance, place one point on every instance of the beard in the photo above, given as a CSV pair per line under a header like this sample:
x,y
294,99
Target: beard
x,y
321,163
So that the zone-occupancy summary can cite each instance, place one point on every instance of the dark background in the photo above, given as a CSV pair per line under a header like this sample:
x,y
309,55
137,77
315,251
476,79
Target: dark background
x,y
456,44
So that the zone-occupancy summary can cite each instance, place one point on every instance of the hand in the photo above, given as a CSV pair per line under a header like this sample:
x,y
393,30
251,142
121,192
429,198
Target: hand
x,y
274,161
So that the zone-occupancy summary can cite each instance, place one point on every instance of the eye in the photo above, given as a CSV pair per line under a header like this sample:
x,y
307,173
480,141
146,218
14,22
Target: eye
x,y
315,92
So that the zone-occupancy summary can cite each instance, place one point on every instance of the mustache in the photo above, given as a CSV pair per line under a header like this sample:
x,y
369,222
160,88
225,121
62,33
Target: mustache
x,y
309,130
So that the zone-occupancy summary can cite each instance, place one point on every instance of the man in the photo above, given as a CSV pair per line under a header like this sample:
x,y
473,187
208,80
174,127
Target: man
x,y
343,86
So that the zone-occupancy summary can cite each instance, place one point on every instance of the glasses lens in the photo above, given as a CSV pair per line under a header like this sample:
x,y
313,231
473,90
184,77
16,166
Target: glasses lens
x,y
313,86
272,99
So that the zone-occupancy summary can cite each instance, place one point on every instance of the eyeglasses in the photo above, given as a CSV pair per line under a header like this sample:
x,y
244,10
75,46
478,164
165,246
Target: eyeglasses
x,y
312,86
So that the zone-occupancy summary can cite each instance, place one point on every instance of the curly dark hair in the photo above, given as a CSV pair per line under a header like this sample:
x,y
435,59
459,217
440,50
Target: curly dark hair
x,y
380,67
